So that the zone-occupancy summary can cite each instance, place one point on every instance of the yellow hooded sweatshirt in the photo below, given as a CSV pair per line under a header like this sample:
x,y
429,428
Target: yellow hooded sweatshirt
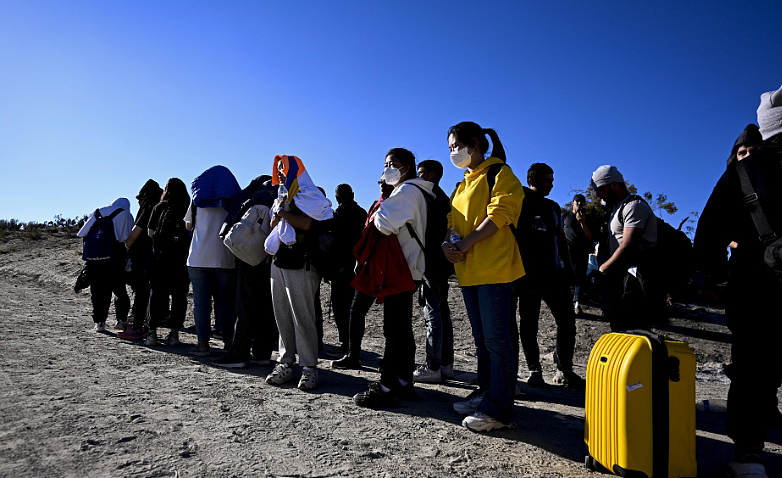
x,y
496,259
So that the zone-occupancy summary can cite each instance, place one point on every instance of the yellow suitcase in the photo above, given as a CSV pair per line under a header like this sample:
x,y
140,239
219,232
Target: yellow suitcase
x,y
640,406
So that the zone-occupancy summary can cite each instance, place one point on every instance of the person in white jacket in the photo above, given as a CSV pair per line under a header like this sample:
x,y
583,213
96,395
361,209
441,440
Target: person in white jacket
x,y
106,271
407,205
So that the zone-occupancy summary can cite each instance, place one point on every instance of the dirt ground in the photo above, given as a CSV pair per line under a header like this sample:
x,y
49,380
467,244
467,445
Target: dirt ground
x,y
76,403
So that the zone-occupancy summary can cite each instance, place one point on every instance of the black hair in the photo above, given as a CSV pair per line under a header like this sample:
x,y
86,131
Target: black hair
x,y
149,194
536,170
406,158
322,190
176,192
467,132
344,191
433,166
579,197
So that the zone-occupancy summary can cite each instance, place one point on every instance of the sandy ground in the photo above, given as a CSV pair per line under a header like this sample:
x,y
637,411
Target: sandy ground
x,y
77,403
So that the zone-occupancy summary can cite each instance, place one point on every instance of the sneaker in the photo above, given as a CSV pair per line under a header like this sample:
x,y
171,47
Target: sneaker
x,y
346,362
229,362
569,380
152,338
748,467
426,375
480,422
99,327
120,325
470,404
200,351
338,351
218,334
256,359
173,337
577,308
132,334
446,372
309,378
282,373
535,379
375,397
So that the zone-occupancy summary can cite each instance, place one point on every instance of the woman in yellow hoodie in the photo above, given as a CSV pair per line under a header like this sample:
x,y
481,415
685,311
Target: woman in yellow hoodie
x,y
487,261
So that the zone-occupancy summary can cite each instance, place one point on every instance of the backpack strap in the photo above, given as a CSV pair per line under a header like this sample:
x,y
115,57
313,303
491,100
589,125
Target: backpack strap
x,y
113,214
765,233
632,198
410,228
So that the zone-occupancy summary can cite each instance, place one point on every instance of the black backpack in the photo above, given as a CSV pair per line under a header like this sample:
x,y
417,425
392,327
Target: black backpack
x,y
436,263
320,251
100,243
171,239
675,261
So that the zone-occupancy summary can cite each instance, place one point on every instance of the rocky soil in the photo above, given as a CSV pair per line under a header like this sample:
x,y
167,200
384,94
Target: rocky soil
x,y
76,403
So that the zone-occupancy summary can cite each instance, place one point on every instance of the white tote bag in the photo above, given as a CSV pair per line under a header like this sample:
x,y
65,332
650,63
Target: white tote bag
x,y
246,237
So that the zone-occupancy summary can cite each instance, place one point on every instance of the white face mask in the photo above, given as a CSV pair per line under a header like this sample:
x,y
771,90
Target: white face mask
x,y
461,158
391,176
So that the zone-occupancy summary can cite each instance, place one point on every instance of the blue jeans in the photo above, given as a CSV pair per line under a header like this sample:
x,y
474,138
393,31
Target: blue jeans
x,y
439,329
489,309
219,283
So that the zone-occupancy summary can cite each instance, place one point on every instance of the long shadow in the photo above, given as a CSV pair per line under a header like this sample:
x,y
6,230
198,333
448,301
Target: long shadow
x,y
723,337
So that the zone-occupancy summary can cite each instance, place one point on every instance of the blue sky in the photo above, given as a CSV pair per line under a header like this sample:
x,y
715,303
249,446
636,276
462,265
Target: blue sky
x,y
97,97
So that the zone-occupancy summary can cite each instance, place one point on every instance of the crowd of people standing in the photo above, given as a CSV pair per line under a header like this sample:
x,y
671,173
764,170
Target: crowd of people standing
x,y
509,246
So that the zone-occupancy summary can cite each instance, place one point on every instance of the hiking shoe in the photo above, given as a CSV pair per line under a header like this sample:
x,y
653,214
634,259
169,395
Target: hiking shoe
x,y
309,378
200,351
569,380
152,338
132,334
535,379
748,467
469,404
120,325
282,373
375,397
346,362
480,422
426,375
577,308
446,372
173,337
229,362
99,327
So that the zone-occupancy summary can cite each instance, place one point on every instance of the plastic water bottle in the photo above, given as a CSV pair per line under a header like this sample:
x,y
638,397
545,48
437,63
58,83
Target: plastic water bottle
x,y
455,237
282,191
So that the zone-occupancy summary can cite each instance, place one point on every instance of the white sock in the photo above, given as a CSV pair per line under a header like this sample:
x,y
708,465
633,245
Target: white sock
x,y
384,388
403,382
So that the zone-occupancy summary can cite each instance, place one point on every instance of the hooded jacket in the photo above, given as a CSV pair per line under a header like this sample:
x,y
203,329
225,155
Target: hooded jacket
x,y
750,136
123,222
407,204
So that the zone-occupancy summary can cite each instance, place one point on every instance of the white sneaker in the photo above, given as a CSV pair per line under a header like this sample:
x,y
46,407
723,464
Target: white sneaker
x,y
577,308
737,469
152,338
446,372
469,405
173,337
282,373
309,378
480,422
120,325
426,375
99,327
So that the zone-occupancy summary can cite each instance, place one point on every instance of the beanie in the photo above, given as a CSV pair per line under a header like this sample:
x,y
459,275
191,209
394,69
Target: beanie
x,y
606,175
770,113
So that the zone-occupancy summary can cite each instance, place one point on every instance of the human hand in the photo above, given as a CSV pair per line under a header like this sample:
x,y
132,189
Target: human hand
x,y
452,253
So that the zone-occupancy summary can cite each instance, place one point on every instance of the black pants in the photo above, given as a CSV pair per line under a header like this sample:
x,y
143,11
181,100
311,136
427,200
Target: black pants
x,y
107,277
398,359
631,302
169,285
754,317
554,289
358,318
342,295
255,324
139,283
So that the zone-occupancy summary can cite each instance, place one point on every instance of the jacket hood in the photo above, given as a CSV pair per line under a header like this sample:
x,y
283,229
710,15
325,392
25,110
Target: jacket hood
x,y
423,184
750,135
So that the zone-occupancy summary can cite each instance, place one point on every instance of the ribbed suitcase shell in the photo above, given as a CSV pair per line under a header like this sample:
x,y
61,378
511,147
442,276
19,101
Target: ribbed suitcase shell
x,y
619,428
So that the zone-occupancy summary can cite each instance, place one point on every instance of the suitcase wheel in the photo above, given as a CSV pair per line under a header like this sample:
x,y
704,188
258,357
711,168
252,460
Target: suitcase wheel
x,y
590,463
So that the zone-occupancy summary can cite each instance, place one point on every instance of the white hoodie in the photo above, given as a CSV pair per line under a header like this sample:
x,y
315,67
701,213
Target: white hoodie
x,y
123,222
407,205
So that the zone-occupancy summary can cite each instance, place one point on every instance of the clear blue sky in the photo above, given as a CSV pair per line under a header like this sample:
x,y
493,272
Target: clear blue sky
x,y
97,97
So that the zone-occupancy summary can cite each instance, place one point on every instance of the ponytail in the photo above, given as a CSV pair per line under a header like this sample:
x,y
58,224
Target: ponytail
x,y
497,150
